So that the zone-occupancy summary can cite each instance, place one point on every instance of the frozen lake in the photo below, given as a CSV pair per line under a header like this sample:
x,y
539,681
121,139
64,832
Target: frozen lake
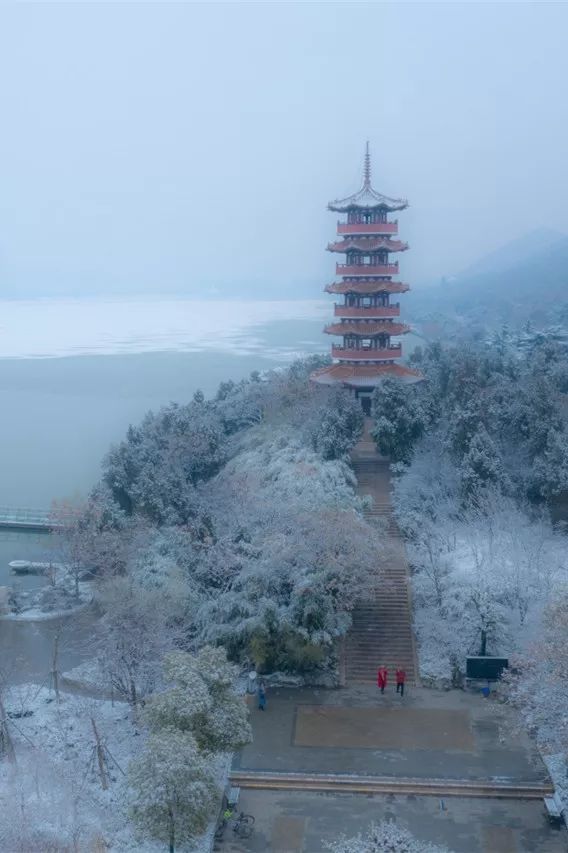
x,y
75,373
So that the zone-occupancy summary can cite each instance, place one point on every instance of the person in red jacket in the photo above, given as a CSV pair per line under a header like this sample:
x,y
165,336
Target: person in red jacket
x,y
400,679
382,676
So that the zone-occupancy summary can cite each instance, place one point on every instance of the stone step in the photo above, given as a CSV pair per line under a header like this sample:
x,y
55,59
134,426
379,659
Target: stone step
x,y
391,785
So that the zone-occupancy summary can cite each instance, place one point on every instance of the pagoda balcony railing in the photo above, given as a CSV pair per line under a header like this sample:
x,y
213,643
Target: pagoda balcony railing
x,y
366,353
366,269
367,227
369,312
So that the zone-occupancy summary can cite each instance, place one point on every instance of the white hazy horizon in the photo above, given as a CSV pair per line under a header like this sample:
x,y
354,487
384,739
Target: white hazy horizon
x,y
196,145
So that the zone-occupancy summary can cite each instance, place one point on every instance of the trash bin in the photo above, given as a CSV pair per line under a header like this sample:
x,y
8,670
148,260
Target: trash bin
x,y
485,691
251,683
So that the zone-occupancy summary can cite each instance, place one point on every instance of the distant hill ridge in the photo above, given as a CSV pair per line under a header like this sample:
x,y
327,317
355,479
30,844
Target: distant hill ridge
x,y
525,280
514,253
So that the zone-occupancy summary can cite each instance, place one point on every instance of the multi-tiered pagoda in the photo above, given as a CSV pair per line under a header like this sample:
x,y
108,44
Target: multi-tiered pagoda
x,y
366,319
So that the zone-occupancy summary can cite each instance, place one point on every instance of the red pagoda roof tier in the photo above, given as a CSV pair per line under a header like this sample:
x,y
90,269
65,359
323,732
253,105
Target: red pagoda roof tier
x,y
364,375
367,286
367,329
367,244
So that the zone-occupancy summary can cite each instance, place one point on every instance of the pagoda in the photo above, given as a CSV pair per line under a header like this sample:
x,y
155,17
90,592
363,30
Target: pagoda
x,y
366,319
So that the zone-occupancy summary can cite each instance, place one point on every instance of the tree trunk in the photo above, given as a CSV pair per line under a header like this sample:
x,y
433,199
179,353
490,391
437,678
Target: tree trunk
x,y
6,745
100,756
55,662
172,830
483,649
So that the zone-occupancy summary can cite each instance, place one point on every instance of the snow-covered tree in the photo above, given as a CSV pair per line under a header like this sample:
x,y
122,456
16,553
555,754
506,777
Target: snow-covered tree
x,y
336,425
154,471
137,629
400,418
385,837
173,789
538,682
481,467
201,700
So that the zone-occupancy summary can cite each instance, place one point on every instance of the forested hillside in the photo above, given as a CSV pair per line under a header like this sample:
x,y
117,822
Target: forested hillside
x,y
233,521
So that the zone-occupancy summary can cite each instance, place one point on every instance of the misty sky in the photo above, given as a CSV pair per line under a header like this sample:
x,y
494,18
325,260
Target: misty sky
x,y
161,148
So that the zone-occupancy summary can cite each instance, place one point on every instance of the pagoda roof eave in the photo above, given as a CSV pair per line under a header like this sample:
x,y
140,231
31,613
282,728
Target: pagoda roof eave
x,y
367,286
367,244
368,329
363,375
367,198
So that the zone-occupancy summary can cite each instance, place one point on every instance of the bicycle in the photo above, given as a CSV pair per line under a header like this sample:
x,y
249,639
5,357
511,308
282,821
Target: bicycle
x,y
244,825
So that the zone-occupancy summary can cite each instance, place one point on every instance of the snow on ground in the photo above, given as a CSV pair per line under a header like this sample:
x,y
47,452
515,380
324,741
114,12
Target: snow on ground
x,y
54,792
51,601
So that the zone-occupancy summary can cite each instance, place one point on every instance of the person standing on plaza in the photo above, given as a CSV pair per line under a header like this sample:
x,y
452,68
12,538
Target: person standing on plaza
x,y
382,677
400,679
261,696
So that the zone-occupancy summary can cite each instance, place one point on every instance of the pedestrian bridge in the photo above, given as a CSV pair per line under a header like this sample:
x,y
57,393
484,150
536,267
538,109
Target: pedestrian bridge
x,y
25,518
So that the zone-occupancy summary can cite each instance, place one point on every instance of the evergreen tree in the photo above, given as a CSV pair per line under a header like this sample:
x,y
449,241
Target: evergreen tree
x,y
201,701
173,790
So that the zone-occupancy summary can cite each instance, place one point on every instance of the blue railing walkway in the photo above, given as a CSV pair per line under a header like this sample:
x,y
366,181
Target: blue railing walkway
x,y
24,518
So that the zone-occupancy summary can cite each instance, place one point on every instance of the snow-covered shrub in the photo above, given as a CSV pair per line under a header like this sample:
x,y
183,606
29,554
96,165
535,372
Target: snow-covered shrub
x,y
384,837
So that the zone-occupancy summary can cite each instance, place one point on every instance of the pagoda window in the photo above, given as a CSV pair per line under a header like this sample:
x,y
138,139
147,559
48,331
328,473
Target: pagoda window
x,y
366,343
366,302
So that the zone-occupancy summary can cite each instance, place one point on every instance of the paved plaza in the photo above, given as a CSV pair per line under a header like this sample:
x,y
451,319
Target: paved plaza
x,y
429,734
300,822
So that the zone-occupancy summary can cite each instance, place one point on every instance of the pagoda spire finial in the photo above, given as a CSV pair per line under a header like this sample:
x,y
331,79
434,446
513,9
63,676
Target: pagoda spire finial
x,y
367,169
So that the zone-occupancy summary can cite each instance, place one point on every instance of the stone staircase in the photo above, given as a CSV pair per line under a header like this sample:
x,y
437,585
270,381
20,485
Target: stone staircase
x,y
381,633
